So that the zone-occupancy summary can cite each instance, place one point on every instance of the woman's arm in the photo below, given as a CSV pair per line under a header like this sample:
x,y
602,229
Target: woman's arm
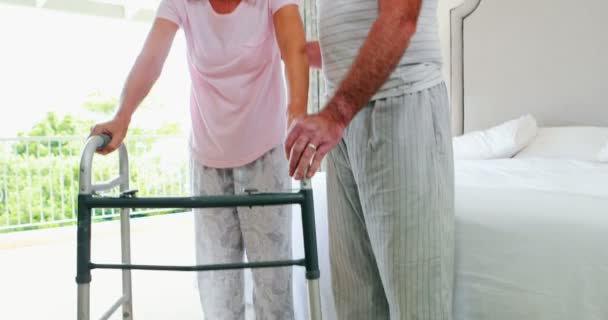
x,y
143,75
292,43
147,68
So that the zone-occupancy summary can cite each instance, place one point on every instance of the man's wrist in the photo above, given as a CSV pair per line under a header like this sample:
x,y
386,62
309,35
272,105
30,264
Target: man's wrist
x,y
339,110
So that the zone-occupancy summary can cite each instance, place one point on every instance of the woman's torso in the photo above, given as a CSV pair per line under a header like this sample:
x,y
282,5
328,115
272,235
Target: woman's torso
x,y
237,98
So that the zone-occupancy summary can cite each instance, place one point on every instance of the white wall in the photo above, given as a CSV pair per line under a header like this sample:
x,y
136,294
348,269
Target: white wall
x,y
444,33
52,61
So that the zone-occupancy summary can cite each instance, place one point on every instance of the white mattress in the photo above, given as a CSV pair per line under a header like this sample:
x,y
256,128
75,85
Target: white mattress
x,y
532,240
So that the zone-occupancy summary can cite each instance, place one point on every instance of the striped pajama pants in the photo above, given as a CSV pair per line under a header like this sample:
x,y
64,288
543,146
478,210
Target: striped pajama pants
x,y
391,210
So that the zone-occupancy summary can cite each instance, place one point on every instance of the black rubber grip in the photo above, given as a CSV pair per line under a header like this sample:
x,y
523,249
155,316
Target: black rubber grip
x,y
106,140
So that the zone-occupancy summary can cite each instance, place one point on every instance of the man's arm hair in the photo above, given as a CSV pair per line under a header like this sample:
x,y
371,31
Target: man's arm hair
x,y
386,43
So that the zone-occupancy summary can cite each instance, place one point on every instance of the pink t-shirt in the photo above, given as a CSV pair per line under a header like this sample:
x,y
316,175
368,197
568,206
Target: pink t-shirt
x,y
237,101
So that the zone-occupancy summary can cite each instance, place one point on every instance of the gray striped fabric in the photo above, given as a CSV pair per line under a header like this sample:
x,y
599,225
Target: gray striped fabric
x,y
344,26
391,211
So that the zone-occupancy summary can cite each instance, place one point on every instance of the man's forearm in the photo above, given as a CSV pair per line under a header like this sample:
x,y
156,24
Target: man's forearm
x,y
387,41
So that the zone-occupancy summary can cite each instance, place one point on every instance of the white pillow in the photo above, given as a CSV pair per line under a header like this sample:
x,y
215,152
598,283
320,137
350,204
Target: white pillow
x,y
603,155
575,143
502,141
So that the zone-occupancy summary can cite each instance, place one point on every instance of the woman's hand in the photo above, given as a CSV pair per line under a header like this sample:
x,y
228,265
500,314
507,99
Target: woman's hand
x,y
116,129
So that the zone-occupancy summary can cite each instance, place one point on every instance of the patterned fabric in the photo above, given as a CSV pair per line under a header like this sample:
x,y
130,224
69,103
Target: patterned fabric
x,y
224,235
391,211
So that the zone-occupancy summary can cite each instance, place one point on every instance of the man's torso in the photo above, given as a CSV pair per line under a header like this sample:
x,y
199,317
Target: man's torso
x,y
344,26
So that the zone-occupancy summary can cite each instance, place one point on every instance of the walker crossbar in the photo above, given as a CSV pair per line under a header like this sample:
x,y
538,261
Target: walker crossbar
x,y
267,199
212,267
87,201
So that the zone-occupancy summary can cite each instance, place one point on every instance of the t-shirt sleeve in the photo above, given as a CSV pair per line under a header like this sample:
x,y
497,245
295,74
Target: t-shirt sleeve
x,y
168,10
275,5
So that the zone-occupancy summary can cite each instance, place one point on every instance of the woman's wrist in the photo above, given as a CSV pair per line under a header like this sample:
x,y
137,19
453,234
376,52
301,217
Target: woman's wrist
x,y
123,118
295,111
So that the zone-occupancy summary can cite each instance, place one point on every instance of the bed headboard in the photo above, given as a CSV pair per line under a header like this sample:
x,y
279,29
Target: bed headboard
x,y
544,57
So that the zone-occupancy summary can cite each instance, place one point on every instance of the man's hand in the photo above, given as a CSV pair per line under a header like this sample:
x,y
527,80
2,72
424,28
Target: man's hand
x,y
313,137
310,138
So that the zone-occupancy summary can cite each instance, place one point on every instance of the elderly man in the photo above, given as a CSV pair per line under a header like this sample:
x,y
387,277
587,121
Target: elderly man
x,y
390,169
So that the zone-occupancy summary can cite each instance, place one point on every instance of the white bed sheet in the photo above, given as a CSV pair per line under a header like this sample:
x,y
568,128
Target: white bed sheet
x,y
532,240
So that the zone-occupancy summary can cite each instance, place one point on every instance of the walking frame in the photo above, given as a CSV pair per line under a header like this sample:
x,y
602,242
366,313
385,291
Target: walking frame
x,y
88,200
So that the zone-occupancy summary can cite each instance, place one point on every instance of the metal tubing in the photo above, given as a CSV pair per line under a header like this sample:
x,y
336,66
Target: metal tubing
x,y
86,161
83,258
267,199
109,185
305,184
212,267
310,236
84,310
310,251
125,238
114,307
314,300
83,238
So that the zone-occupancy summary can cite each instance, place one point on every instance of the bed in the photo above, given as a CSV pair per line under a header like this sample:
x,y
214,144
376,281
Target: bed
x,y
531,239
532,228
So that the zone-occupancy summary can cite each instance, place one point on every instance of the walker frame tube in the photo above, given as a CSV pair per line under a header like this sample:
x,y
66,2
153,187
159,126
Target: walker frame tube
x,y
87,201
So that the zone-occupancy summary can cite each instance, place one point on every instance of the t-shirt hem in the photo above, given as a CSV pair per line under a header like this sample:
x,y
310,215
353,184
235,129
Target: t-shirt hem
x,y
283,5
168,18
242,161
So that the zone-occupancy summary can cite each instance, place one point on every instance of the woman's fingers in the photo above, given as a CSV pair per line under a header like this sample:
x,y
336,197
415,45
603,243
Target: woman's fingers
x,y
110,129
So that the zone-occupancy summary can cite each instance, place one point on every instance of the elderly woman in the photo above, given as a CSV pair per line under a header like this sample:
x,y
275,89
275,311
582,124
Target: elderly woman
x,y
239,113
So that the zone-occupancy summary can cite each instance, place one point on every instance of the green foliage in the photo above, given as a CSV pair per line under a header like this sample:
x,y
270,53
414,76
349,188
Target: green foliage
x,y
43,189
39,175
101,105
53,126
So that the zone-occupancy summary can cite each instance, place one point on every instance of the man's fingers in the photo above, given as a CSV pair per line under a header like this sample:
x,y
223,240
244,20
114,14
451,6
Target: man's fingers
x,y
291,139
304,163
316,162
296,153
295,132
